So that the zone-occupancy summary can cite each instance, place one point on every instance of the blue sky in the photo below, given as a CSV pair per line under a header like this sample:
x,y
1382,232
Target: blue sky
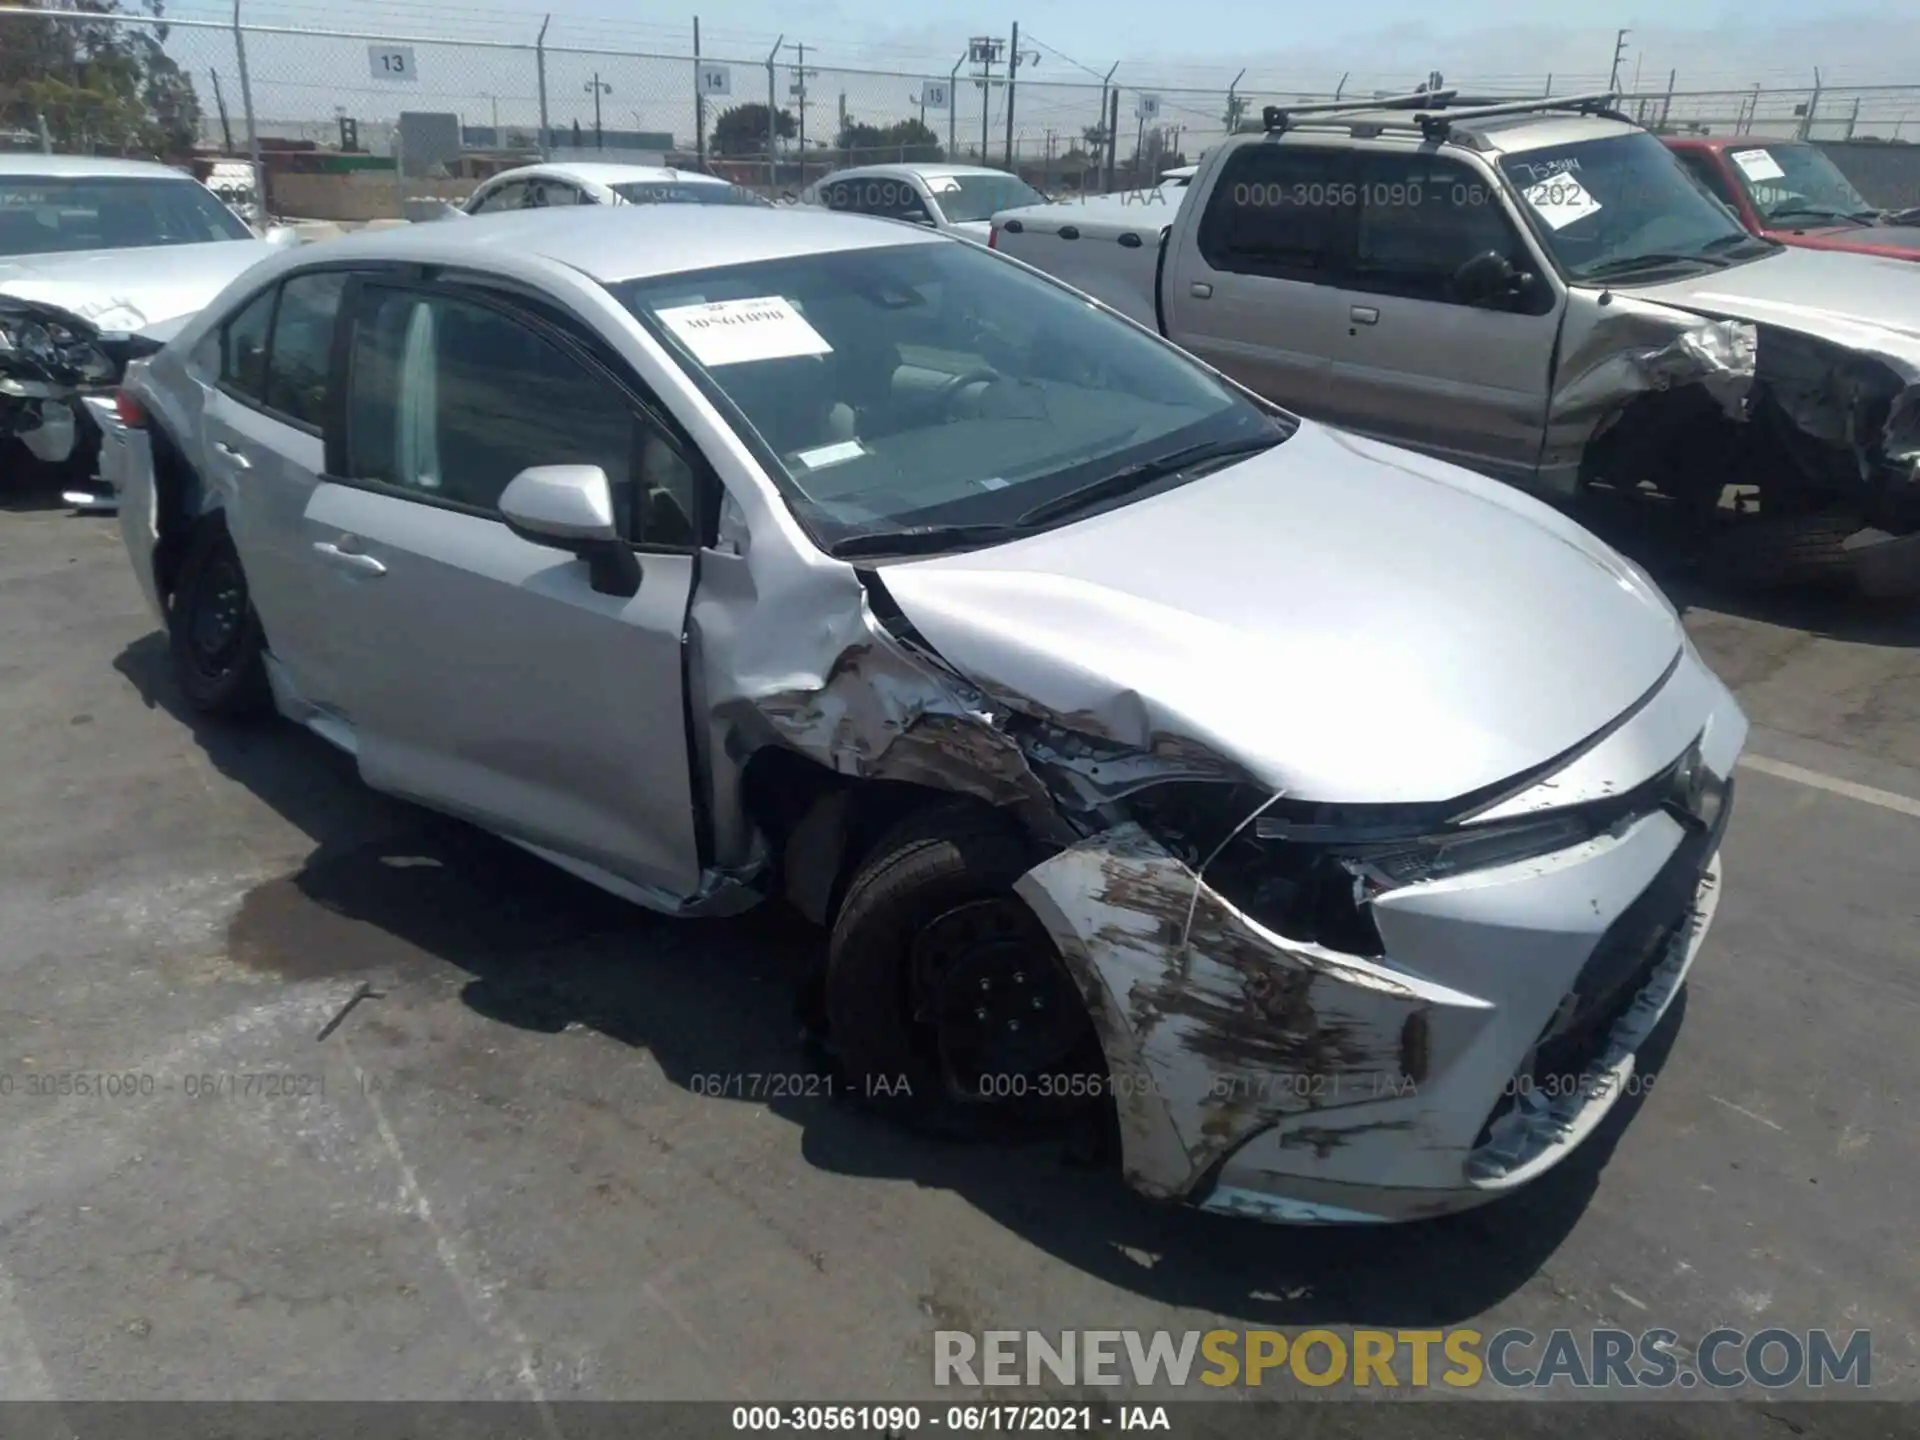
x,y
1190,52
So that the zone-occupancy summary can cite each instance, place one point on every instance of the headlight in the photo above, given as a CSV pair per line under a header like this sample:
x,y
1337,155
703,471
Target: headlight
x,y
30,340
55,348
1471,848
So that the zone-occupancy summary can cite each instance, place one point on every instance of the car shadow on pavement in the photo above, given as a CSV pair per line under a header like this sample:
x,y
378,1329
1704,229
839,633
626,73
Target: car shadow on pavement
x,y
403,898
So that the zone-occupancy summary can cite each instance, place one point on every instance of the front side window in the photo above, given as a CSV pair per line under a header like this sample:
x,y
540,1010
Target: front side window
x,y
48,214
510,196
1701,165
668,192
1624,209
1797,184
964,198
1279,210
932,385
1421,219
451,399
303,346
542,194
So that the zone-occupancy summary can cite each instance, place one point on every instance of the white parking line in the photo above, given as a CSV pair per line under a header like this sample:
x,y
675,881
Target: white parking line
x,y
1866,794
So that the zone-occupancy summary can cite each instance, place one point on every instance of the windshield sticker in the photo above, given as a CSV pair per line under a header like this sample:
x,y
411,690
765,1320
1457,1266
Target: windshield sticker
x,y
1561,201
733,332
1758,165
825,455
943,184
992,483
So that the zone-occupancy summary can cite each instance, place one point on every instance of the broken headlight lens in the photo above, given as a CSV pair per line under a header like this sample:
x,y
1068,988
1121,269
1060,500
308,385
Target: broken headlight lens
x,y
57,350
1456,852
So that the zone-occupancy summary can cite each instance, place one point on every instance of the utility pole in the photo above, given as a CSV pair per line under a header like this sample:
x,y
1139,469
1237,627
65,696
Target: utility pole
x,y
1014,61
699,103
1113,134
1619,54
985,51
1236,105
220,103
599,88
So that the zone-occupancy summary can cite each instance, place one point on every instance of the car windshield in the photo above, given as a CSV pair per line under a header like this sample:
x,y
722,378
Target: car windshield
x,y
47,214
1616,208
668,192
963,198
936,386
1794,182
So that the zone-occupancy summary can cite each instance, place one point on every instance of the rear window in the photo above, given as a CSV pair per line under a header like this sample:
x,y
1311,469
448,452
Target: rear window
x,y
964,198
50,214
668,192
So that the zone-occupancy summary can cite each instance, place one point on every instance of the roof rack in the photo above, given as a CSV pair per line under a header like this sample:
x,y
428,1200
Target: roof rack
x,y
1278,117
1434,112
1436,122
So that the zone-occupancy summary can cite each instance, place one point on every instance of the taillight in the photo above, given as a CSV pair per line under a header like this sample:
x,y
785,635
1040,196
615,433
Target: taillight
x,y
993,237
129,411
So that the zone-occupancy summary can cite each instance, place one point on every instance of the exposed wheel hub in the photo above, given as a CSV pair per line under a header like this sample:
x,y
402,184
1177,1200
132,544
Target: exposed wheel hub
x,y
1000,1006
219,615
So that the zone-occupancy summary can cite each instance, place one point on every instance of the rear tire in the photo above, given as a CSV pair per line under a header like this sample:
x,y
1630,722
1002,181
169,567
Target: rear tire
x,y
213,631
947,1003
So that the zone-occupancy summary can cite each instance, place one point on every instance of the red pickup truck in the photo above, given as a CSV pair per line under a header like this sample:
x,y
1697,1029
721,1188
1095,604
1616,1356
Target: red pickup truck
x,y
1788,190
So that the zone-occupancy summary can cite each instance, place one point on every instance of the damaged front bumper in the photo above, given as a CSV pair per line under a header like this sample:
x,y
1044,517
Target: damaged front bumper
x,y
1256,1075
57,378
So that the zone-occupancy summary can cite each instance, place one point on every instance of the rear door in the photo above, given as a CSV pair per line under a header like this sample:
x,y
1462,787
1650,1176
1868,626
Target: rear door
x,y
1249,288
483,675
1418,366
262,450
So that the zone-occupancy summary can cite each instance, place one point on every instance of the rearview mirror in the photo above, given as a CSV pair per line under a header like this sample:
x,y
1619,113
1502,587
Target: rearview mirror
x,y
570,507
1487,279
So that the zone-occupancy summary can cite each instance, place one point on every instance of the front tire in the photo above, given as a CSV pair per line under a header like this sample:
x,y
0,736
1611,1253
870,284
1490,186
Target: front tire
x,y
947,1002
213,631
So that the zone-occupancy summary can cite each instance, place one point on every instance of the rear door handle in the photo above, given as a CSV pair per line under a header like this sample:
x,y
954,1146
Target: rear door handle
x,y
351,560
1364,315
1200,290
232,456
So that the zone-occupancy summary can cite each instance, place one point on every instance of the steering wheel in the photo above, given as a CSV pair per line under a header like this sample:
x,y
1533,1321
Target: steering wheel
x,y
951,391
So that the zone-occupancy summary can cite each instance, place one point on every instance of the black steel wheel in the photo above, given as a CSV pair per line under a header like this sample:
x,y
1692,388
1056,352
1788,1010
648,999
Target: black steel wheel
x,y
213,631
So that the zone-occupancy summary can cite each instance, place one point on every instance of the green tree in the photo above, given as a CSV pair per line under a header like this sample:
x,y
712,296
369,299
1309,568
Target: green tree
x,y
98,84
742,129
904,140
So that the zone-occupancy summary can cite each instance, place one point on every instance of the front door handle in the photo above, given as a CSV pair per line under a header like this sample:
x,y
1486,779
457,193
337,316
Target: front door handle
x,y
1200,290
1364,315
351,560
232,456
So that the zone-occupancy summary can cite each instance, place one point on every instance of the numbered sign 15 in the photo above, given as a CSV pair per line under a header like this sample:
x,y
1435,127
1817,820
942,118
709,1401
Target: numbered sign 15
x,y
933,94
391,62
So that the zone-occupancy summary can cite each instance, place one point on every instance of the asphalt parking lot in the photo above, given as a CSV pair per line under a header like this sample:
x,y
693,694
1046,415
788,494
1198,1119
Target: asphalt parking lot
x,y
502,1175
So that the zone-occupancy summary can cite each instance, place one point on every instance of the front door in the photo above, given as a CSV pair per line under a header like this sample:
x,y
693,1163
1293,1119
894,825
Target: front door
x,y
1419,367
1248,290
484,674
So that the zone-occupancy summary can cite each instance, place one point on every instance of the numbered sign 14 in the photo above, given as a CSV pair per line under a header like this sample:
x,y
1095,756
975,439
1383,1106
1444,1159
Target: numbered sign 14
x,y
715,79
391,63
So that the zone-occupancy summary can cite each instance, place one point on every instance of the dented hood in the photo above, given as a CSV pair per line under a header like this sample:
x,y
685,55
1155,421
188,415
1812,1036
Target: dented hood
x,y
1868,301
1348,621
131,291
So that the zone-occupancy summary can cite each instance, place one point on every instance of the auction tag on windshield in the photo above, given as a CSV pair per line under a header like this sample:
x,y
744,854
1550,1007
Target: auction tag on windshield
x,y
943,184
732,332
1561,201
825,455
1758,165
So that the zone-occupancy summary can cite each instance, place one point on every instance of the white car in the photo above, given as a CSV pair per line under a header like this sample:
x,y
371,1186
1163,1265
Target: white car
x,y
536,187
1343,820
958,199
100,260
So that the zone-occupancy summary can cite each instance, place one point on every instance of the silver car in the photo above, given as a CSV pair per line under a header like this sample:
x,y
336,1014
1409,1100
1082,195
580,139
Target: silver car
x,y
100,260
958,199
1337,821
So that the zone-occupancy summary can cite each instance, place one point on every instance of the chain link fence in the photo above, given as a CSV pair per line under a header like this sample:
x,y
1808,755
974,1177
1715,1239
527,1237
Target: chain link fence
x,y
346,125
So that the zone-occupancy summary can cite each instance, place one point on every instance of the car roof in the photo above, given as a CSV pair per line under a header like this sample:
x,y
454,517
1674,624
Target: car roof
x,y
90,167
597,173
630,242
925,172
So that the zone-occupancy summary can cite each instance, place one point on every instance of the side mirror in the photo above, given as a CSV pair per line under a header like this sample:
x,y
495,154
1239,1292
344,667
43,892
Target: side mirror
x,y
570,507
1487,280
282,237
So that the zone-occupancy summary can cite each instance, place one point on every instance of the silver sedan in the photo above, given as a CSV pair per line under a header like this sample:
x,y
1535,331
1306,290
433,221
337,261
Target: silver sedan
x,y
1330,824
